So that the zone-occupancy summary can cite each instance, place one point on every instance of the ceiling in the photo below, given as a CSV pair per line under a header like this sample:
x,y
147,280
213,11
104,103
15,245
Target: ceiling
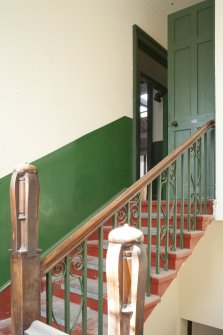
x,y
166,7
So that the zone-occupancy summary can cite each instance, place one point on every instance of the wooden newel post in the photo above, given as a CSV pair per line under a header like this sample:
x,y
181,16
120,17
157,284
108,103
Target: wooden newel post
x,y
24,255
126,267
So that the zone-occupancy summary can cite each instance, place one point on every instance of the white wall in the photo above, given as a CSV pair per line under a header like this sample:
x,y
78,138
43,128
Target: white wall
x,y
201,278
219,105
164,319
66,69
197,292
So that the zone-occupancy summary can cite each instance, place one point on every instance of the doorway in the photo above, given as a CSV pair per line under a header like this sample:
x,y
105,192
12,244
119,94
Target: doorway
x,y
152,107
150,103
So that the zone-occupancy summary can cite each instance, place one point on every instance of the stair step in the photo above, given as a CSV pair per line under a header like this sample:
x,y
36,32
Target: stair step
x,y
5,327
210,203
150,304
75,293
161,281
92,316
175,258
5,303
202,220
190,239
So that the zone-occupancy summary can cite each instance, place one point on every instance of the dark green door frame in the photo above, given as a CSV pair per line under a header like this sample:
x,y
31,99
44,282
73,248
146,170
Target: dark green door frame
x,y
143,41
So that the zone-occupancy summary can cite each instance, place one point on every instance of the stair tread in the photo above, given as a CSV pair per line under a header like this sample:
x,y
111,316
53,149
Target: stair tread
x,y
92,285
5,326
144,215
92,261
153,230
163,273
92,288
185,231
152,299
191,233
58,303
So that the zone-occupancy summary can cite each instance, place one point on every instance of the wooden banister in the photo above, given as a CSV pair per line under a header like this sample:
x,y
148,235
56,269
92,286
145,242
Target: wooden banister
x,y
96,221
126,267
24,255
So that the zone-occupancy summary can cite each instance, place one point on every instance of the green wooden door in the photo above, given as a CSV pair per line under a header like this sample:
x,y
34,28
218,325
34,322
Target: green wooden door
x,y
191,74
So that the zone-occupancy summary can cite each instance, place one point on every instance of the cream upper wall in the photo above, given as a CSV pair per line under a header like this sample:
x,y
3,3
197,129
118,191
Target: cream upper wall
x,y
66,69
201,278
164,319
219,105
196,294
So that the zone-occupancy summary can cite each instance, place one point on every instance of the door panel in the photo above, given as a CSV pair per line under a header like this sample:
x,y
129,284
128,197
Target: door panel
x,y
191,76
182,83
191,69
205,78
205,20
182,28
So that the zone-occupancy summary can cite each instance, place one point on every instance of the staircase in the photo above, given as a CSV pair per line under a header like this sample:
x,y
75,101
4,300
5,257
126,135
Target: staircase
x,y
158,282
73,285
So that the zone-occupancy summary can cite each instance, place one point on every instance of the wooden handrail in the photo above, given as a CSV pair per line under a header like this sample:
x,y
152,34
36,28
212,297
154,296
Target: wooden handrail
x,y
96,221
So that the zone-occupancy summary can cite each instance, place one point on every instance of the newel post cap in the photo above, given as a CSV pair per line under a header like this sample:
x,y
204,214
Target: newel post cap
x,y
126,235
26,168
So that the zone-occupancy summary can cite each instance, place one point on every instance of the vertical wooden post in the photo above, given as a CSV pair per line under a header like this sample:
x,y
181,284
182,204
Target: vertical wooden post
x,y
24,255
126,267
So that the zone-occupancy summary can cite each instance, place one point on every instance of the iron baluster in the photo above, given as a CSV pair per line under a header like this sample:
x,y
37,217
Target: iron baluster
x,y
159,189
149,195
195,186
100,280
84,280
139,211
175,211
128,213
114,221
205,173
136,205
199,150
67,295
57,277
189,190
77,266
49,298
167,219
164,228
182,203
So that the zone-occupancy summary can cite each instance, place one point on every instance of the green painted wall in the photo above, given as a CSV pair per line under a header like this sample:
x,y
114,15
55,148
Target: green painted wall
x,y
75,181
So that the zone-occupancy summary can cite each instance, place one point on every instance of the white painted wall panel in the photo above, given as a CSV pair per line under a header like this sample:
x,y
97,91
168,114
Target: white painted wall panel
x,y
65,69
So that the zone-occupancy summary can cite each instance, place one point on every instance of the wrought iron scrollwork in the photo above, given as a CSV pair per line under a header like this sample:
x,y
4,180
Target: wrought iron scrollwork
x,y
196,178
135,209
169,178
130,213
73,266
122,215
